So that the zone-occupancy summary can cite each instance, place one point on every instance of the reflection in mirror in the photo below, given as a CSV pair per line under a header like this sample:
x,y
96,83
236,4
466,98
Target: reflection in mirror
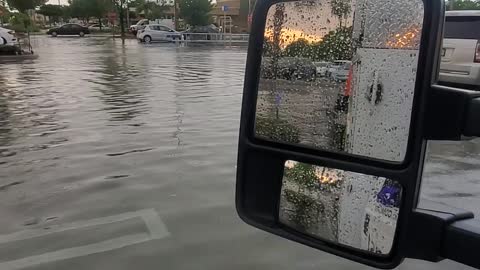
x,y
348,208
339,75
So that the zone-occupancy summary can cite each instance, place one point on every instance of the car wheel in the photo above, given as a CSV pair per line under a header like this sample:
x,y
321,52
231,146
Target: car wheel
x,y
4,41
147,39
82,34
54,34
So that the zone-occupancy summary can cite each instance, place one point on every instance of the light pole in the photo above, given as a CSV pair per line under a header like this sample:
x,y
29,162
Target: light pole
x,y
128,15
175,13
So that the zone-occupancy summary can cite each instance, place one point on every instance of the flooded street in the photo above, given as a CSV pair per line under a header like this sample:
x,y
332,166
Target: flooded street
x,y
122,156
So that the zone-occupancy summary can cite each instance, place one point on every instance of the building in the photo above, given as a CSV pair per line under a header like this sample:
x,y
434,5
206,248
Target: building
x,y
237,12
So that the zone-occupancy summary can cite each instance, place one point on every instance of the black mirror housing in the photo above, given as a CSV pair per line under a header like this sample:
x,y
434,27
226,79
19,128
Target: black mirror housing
x,y
261,163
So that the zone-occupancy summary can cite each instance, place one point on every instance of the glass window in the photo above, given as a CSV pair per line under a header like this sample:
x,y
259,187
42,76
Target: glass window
x,y
462,27
163,28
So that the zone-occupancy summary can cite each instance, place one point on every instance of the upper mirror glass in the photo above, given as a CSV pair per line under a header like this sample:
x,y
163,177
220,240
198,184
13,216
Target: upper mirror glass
x,y
340,75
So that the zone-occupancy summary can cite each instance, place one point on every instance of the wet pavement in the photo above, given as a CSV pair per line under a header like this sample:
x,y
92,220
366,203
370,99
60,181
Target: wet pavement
x,y
122,156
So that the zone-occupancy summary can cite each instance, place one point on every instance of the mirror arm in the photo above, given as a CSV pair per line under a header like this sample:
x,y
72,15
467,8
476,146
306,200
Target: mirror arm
x,y
462,242
472,120
426,232
434,236
452,113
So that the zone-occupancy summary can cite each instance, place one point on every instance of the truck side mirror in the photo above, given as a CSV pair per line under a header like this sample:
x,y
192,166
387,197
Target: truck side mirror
x,y
332,158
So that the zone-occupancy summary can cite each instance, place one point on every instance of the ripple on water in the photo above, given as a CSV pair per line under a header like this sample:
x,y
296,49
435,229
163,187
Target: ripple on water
x,y
93,110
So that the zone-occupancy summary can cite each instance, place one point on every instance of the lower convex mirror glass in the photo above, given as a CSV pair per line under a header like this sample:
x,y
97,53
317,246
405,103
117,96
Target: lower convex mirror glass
x,y
348,208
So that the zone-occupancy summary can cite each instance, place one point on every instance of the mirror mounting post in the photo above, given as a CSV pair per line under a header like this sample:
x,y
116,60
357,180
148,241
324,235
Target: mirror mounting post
x,y
472,118
437,232
452,113
462,242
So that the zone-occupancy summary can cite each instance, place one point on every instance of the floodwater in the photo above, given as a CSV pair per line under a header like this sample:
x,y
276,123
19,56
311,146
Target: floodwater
x,y
122,156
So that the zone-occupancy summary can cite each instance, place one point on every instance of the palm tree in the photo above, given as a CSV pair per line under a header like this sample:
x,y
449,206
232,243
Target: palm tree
x,y
341,9
278,21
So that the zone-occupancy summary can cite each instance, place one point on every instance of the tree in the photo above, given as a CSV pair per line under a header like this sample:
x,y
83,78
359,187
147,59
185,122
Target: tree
x,y
120,6
20,22
299,48
53,12
334,45
98,9
276,46
150,10
24,5
84,9
341,9
196,12
78,9
463,5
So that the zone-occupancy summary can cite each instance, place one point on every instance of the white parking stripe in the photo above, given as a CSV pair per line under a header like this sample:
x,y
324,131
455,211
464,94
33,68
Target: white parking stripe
x,y
69,253
156,228
154,224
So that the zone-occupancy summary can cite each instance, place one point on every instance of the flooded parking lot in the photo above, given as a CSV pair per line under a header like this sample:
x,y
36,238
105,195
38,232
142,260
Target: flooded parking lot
x,y
122,155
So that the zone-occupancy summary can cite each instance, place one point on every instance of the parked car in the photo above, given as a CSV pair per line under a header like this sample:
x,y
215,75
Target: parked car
x,y
203,29
460,55
206,32
96,27
289,68
157,32
334,66
340,74
7,37
140,25
69,29
321,67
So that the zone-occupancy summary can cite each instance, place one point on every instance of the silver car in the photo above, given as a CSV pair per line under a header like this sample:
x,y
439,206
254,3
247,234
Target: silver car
x,y
341,73
334,66
7,37
157,32
460,55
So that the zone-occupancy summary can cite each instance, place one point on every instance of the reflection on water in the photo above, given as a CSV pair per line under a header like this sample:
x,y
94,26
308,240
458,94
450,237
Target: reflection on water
x,y
122,100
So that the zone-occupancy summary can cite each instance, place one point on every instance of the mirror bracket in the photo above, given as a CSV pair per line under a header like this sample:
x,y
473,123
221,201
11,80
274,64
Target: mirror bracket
x,y
461,242
472,118
452,113
427,230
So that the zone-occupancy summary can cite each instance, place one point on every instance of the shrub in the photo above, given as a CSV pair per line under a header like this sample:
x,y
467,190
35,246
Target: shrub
x,y
276,130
